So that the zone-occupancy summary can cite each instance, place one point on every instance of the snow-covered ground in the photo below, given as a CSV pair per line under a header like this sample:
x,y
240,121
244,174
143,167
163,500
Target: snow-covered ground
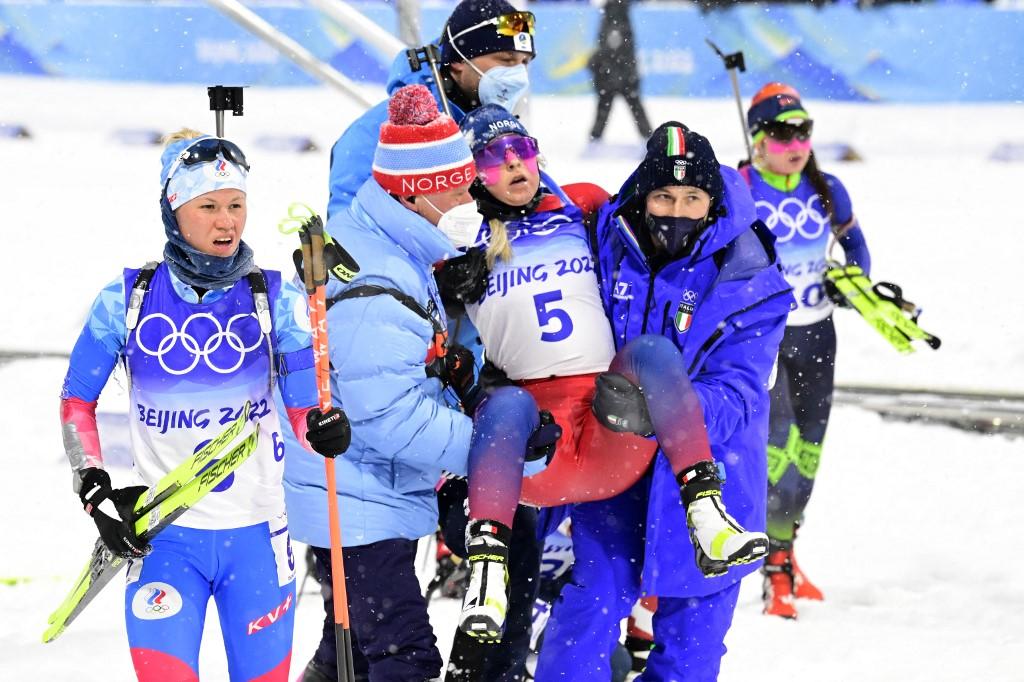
x,y
911,529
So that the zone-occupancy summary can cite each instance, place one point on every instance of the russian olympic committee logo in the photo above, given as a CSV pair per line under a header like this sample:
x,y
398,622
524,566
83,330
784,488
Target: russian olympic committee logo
x,y
219,170
238,342
791,217
156,600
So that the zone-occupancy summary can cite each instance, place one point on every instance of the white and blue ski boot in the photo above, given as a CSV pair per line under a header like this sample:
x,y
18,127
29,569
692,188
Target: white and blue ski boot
x,y
486,601
718,541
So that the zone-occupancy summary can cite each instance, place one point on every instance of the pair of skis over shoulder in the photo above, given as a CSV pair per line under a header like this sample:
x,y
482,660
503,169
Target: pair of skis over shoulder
x,y
157,508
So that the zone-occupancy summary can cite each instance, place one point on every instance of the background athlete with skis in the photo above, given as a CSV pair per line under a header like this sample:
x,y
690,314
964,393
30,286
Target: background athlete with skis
x,y
805,209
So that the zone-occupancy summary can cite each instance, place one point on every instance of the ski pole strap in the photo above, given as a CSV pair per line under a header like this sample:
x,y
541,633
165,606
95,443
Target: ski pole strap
x,y
298,214
887,291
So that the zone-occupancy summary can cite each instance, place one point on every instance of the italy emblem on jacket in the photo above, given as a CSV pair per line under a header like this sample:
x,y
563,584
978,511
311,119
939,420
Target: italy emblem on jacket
x,y
684,313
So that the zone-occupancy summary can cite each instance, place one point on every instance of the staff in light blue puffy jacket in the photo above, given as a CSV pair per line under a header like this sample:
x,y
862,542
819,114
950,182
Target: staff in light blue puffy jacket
x,y
485,47
680,254
804,208
389,353
200,335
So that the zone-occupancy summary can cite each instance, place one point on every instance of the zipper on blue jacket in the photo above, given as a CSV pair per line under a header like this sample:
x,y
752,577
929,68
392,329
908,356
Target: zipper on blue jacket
x,y
650,295
664,316
721,329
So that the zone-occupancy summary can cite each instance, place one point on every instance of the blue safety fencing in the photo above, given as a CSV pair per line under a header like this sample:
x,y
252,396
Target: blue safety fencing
x,y
899,53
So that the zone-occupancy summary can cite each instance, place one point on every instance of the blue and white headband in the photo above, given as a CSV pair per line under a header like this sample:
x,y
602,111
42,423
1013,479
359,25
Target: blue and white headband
x,y
186,181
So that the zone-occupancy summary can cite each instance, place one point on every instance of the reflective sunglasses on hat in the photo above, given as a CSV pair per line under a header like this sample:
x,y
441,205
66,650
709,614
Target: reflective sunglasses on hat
x,y
511,24
784,131
206,150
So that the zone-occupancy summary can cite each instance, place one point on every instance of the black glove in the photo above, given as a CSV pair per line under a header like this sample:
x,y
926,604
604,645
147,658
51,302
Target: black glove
x,y
832,291
337,260
329,434
118,534
463,280
459,364
544,439
492,377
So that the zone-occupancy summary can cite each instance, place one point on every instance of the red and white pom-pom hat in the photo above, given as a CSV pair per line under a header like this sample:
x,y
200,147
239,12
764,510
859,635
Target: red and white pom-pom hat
x,y
420,150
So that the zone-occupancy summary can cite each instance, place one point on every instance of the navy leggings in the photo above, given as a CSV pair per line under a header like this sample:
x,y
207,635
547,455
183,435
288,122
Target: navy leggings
x,y
392,637
801,402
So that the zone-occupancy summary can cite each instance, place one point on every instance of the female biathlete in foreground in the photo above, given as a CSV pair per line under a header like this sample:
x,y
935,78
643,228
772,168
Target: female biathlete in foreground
x,y
542,323
200,335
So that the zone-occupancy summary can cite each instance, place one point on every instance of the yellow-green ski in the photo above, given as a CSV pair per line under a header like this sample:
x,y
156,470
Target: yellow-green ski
x,y
156,509
882,305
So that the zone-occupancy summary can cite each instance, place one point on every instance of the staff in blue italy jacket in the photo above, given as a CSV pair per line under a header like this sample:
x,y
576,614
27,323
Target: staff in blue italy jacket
x,y
200,335
485,46
805,209
680,254
543,324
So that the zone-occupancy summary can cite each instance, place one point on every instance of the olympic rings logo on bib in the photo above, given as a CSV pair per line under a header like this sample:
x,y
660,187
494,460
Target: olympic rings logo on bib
x,y
199,350
791,217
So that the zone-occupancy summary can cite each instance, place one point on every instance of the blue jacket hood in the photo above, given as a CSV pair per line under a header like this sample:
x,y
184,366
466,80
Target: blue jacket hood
x,y
739,214
412,232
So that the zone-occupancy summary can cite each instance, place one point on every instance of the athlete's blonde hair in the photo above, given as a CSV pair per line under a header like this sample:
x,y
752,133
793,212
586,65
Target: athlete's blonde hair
x,y
180,134
499,247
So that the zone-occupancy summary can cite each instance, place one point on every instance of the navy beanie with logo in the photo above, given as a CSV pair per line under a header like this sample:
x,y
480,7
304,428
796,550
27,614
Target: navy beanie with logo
x,y
482,125
678,156
483,39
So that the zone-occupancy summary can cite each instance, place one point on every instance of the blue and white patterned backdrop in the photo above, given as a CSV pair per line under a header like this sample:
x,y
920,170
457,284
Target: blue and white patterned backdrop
x,y
899,53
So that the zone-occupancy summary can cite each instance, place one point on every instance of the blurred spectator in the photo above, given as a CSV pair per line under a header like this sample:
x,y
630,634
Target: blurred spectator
x,y
613,66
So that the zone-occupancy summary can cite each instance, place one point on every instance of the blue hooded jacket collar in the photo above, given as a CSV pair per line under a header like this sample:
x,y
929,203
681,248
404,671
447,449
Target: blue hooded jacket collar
x,y
413,233
739,208
401,74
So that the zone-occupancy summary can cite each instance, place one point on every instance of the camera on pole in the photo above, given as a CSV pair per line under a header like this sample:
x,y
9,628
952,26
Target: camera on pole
x,y
224,98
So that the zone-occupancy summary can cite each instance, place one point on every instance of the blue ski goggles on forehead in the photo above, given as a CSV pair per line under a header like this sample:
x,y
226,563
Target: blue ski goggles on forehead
x,y
206,150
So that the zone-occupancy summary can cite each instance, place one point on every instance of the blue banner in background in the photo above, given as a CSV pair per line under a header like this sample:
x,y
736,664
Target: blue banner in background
x,y
899,53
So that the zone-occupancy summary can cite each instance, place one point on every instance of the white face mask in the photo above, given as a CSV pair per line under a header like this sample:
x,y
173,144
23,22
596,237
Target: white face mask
x,y
503,85
461,223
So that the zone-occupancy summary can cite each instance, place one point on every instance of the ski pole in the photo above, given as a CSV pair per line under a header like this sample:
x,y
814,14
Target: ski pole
x,y
314,273
733,62
429,54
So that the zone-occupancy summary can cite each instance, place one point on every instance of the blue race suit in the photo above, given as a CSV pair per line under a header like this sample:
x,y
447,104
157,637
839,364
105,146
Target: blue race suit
x,y
192,366
724,305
